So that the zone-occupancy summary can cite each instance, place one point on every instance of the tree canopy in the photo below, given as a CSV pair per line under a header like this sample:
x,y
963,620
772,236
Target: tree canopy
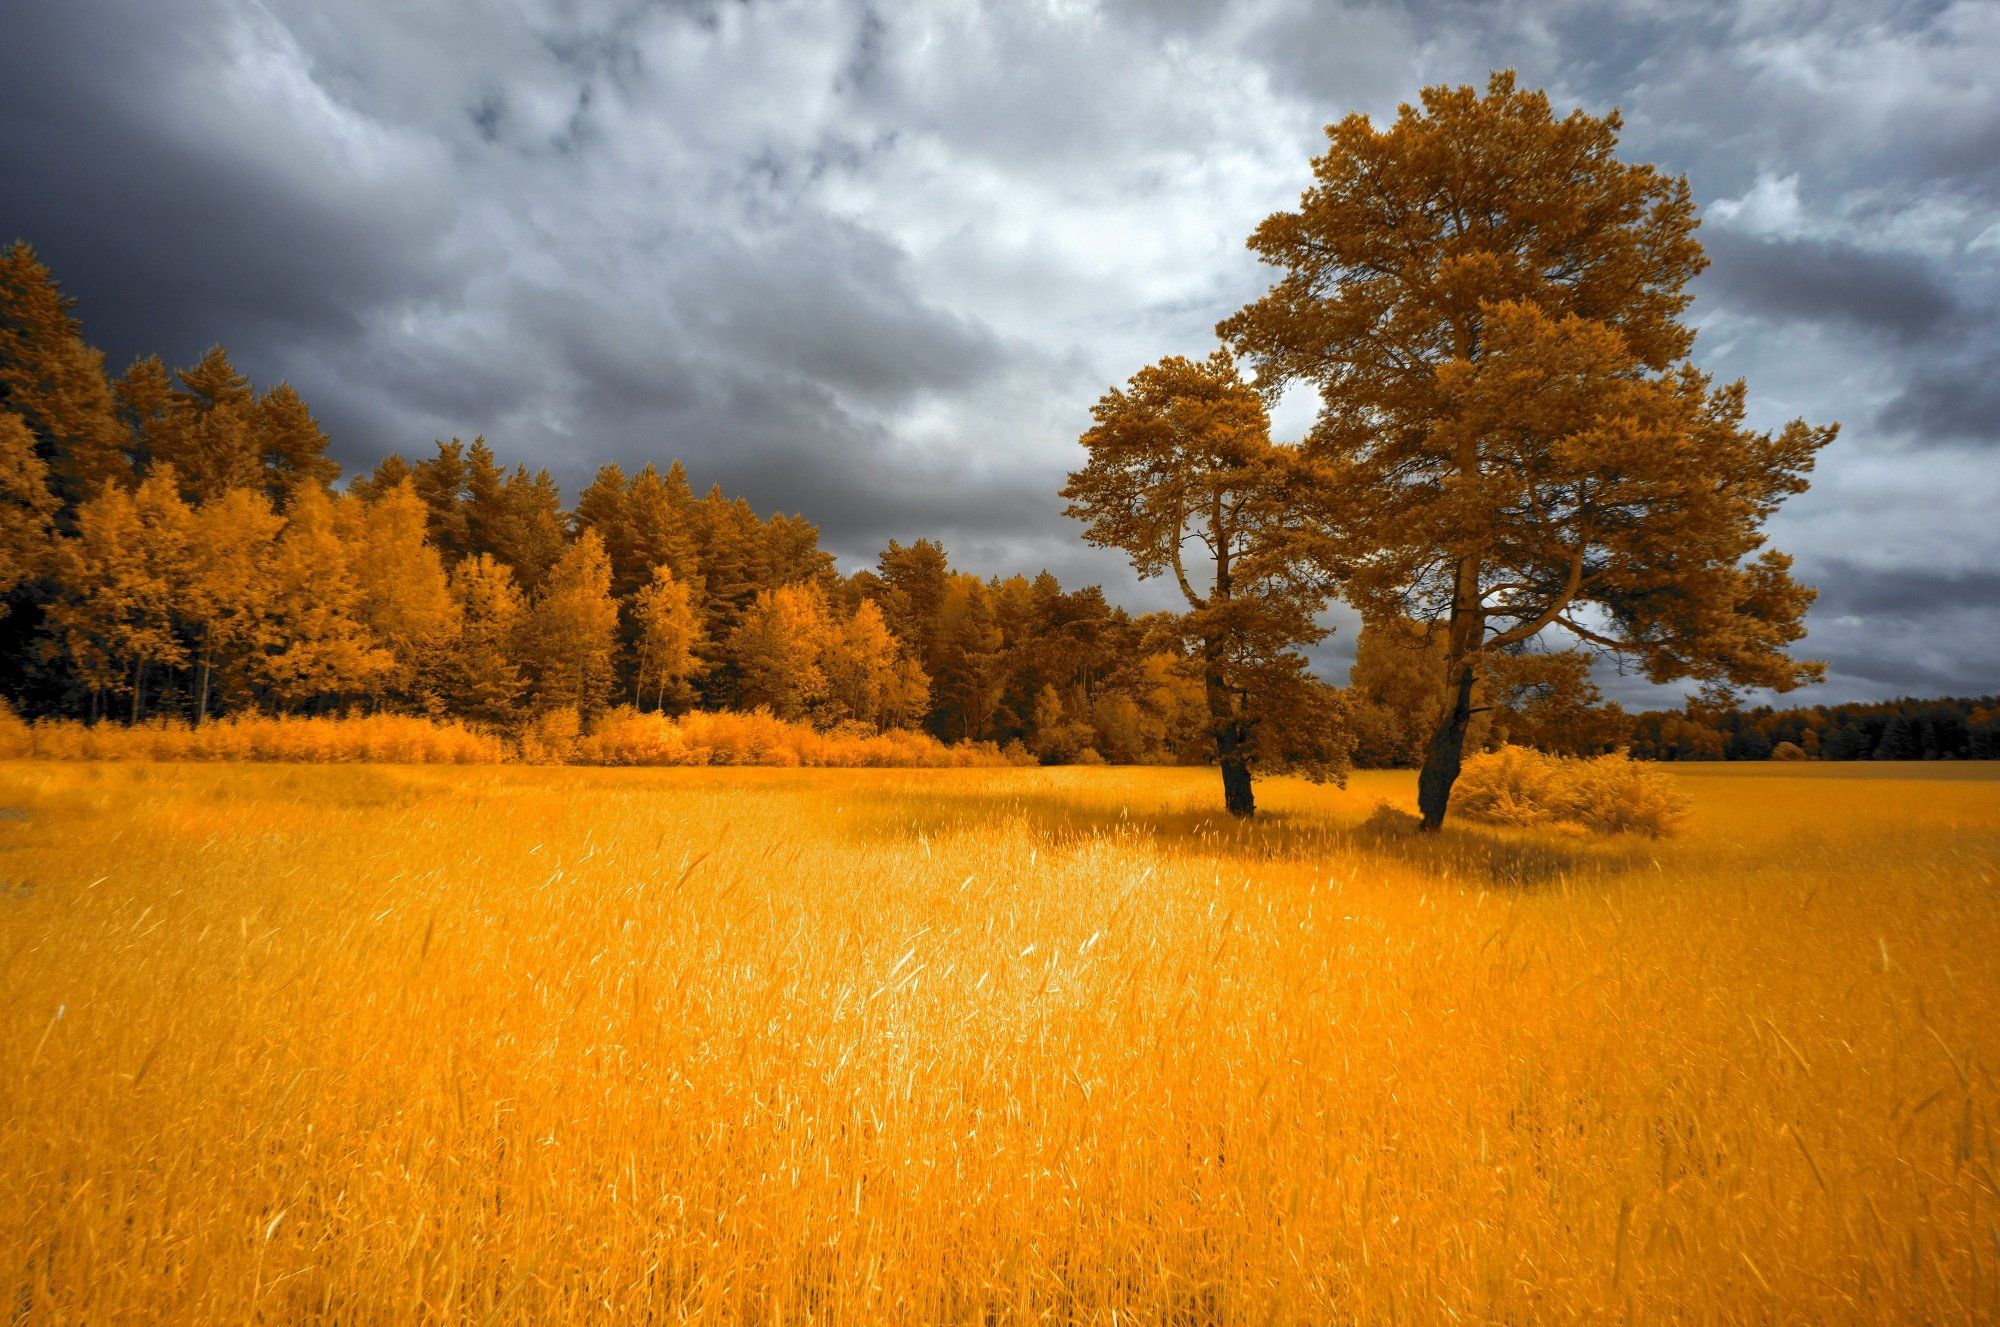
x,y
1511,437
1183,455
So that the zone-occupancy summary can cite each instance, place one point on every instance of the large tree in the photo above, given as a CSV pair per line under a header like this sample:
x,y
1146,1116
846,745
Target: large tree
x,y
405,599
570,634
1183,456
26,506
1510,437
669,639
55,382
482,676
323,649
122,577
226,599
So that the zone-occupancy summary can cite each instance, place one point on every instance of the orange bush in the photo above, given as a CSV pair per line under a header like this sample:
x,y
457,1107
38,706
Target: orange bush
x,y
627,737
621,737
386,738
1606,795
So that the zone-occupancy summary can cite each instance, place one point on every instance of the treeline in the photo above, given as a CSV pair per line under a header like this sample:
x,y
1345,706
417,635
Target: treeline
x,y
174,544
1952,728
1547,701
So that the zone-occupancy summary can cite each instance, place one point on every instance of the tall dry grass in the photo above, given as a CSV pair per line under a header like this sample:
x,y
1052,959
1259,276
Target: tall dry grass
x,y
621,736
518,1045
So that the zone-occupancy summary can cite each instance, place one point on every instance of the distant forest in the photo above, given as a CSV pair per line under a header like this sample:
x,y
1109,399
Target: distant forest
x,y
1953,728
176,544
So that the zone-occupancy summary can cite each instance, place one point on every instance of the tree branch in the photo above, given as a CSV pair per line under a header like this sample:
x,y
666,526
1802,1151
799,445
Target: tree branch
x,y
1514,635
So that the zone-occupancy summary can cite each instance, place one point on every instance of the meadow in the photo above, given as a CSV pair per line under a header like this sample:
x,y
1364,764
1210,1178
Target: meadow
x,y
506,1044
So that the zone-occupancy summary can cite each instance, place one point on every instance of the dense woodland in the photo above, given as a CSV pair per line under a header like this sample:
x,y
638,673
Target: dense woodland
x,y
177,543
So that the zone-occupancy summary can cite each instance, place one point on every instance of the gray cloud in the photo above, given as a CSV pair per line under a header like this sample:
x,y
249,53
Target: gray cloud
x,y
1902,594
873,263
1956,399
1782,279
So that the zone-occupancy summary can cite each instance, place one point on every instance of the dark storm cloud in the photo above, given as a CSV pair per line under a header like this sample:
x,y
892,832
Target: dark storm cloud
x,y
174,237
1906,594
1954,400
872,263
1783,279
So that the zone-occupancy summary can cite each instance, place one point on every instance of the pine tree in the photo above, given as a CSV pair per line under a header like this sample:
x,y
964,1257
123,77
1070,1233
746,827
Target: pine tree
x,y
789,553
441,482
27,507
777,649
658,527
121,576
405,599
149,411
211,440
601,507
484,680
55,383
669,639
390,471
913,580
226,600
290,446
1511,437
1899,740
569,636
323,647
518,517
1183,456
970,673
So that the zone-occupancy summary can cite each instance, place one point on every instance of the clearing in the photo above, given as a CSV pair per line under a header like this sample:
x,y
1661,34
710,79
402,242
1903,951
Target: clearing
x,y
509,1044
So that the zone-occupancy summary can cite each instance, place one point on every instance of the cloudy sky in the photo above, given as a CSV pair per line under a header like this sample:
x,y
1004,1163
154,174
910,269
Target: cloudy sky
x,y
874,262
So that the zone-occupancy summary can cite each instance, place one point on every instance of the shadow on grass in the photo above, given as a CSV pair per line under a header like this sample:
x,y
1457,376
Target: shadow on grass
x,y
1462,853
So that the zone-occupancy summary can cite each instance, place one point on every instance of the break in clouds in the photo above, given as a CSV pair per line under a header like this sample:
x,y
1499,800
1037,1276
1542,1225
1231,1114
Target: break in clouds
x,y
875,264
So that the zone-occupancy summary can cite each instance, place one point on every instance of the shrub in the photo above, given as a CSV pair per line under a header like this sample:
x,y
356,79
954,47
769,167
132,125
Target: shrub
x,y
385,738
1605,795
626,737
1788,751
1386,821
17,740
620,737
550,738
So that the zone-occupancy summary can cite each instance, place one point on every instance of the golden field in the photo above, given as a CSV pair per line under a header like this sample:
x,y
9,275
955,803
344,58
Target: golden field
x,y
522,1045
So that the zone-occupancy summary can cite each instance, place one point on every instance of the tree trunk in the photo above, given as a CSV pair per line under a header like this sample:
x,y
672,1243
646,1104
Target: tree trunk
x,y
1236,794
1466,633
138,688
1229,738
202,673
1447,750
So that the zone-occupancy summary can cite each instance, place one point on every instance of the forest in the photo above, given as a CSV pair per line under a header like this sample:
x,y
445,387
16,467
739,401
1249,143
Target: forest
x,y
178,544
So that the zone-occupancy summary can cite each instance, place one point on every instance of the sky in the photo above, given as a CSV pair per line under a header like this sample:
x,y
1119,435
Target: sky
x,y
874,263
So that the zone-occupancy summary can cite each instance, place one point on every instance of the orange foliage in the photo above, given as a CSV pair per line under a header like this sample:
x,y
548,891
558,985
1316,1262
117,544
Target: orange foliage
x,y
390,738
622,736
627,737
1607,795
